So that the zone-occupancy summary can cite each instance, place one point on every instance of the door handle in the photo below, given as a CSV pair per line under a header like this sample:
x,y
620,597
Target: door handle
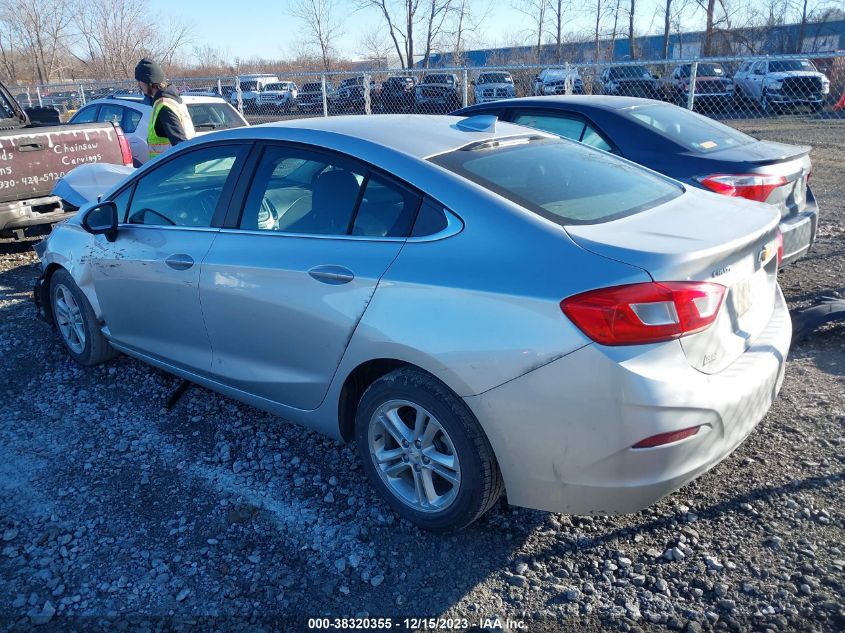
x,y
180,261
333,275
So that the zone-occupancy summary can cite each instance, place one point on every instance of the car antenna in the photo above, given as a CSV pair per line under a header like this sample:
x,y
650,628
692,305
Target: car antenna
x,y
479,123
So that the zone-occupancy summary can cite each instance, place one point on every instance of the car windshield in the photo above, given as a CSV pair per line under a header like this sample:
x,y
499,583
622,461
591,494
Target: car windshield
x,y
630,72
311,87
213,116
249,85
786,65
353,81
704,70
495,78
561,180
438,79
689,129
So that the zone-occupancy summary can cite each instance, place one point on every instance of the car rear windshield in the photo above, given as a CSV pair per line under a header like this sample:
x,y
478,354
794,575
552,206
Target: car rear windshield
x,y
786,65
689,129
213,116
312,87
561,180
247,86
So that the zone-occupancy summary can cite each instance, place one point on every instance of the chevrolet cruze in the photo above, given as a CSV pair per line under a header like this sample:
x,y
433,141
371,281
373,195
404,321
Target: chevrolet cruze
x,y
481,307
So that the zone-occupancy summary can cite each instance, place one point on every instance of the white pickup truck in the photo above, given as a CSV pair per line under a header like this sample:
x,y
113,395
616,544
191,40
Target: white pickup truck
x,y
776,84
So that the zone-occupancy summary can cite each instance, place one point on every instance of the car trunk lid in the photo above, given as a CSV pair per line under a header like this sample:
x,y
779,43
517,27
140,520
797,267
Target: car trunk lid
x,y
790,163
699,237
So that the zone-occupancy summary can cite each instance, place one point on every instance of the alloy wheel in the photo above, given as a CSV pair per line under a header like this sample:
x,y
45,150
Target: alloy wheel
x,y
414,456
69,319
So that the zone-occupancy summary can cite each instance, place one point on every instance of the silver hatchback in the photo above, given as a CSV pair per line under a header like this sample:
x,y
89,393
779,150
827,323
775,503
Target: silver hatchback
x,y
481,307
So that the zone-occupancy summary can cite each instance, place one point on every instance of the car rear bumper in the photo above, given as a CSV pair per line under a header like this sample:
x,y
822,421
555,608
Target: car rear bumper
x,y
563,434
22,214
799,231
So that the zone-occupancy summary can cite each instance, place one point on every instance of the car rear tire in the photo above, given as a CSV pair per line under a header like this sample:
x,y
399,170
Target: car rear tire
x,y
425,452
76,322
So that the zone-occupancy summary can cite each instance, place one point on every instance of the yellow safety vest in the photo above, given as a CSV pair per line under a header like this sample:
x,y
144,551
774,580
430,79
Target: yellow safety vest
x,y
160,144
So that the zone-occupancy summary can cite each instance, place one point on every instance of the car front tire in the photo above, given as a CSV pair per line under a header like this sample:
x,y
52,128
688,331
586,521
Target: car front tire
x,y
76,322
425,452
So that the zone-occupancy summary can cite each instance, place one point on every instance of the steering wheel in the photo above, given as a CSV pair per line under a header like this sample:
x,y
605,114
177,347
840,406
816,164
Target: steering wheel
x,y
141,215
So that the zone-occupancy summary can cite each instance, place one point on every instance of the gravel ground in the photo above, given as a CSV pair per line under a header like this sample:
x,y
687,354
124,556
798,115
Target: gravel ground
x,y
112,507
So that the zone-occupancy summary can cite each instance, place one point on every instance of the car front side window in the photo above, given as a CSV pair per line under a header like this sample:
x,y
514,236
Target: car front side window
x,y
185,190
86,115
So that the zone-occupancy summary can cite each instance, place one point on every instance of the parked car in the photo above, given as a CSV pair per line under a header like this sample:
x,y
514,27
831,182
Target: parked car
x,y
558,81
630,81
438,92
132,114
278,97
686,146
310,96
251,86
33,157
588,370
397,94
714,89
351,96
492,86
775,84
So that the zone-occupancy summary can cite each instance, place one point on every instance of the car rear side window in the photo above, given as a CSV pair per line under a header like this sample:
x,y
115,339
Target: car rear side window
x,y
564,126
689,129
131,119
565,182
571,127
308,193
213,116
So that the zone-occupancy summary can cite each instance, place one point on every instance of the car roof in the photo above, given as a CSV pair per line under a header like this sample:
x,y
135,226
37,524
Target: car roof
x,y
600,102
415,135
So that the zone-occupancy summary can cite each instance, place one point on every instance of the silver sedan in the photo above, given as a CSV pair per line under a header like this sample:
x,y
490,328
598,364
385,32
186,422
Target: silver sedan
x,y
481,307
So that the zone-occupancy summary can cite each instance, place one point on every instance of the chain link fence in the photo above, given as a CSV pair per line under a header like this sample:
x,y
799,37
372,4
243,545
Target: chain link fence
x,y
724,88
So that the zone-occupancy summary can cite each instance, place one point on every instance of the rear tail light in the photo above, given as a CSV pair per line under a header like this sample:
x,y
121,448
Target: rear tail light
x,y
643,313
666,438
750,186
779,240
125,150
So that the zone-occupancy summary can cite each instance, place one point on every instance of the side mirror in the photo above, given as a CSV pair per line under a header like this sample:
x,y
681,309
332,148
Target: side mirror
x,y
102,220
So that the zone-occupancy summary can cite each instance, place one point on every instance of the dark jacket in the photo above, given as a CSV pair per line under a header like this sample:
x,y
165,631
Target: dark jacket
x,y
167,123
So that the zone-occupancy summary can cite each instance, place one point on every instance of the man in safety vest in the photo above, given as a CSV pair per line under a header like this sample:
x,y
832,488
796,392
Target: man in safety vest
x,y
170,123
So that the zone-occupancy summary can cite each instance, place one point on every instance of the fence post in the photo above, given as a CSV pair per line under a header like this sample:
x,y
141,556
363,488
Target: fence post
x,y
567,79
325,96
465,80
82,94
239,97
219,88
368,106
28,98
38,93
691,94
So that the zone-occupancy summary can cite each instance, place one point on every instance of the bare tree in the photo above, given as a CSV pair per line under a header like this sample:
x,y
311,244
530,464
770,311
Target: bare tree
x,y
667,19
41,30
535,11
438,11
631,42
320,18
465,22
558,9
374,45
115,34
401,19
